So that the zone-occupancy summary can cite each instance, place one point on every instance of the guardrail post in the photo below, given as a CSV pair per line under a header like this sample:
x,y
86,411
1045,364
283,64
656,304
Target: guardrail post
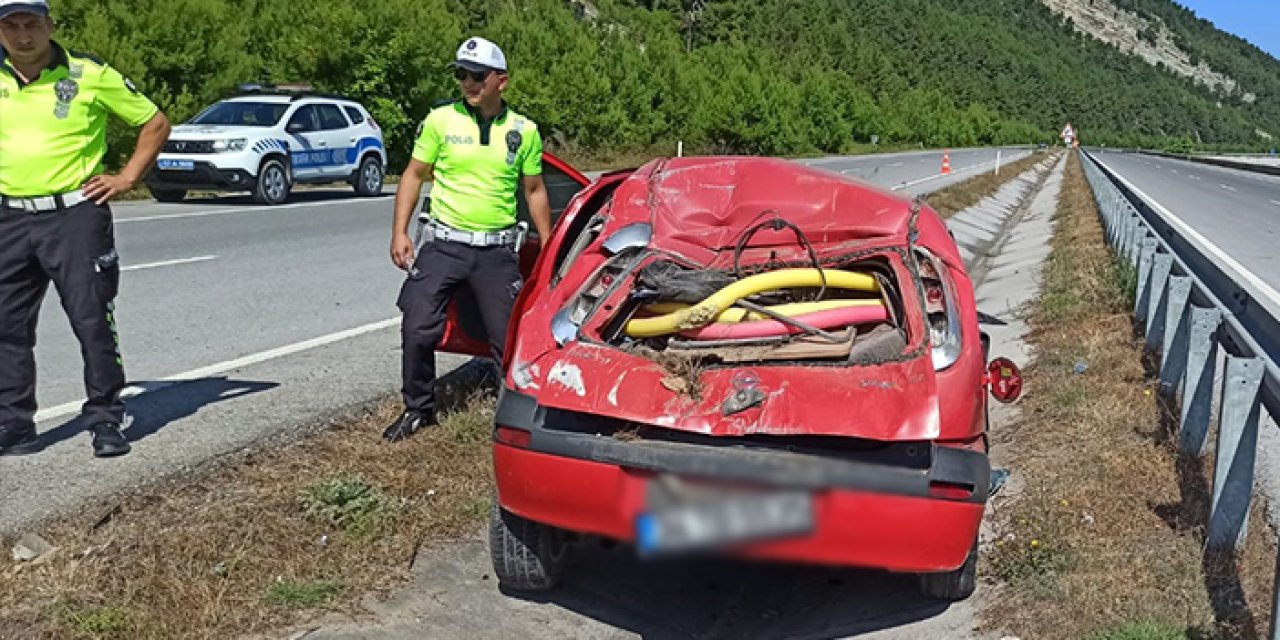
x,y
1145,260
1159,299
1133,239
1173,358
1236,450
1197,387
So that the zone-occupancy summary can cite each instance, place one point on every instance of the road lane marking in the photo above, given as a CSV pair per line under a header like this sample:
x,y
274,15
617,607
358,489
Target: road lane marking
x,y
1195,177
130,391
167,263
1270,298
1276,202
896,164
1227,187
229,211
1174,170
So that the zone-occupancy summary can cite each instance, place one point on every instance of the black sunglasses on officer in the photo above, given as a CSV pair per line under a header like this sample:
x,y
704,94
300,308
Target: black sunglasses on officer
x,y
476,76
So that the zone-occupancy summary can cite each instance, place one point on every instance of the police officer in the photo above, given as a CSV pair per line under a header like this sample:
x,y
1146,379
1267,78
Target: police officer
x,y
477,151
54,220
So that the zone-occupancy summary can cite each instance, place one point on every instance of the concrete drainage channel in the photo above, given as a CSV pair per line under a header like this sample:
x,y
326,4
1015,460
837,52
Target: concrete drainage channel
x,y
1005,239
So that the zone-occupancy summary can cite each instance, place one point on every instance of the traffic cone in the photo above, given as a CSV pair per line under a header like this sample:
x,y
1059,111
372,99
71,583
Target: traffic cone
x,y
946,161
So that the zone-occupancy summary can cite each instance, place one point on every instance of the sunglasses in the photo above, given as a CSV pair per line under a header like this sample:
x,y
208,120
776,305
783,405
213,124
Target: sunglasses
x,y
476,76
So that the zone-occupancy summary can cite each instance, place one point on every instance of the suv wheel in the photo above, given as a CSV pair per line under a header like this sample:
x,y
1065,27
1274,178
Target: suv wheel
x,y
952,585
369,177
527,556
168,195
273,183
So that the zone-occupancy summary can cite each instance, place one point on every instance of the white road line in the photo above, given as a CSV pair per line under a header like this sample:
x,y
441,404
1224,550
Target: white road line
x,y
1227,187
223,212
1276,202
1195,177
229,365
1268,295
1174,170
895,164
167,263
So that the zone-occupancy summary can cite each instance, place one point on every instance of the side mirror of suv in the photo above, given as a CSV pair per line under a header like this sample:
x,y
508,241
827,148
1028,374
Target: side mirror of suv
x,y
295,127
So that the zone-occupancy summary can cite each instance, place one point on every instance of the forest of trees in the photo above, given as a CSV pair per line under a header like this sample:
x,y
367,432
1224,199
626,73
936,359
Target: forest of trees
x,y
778,77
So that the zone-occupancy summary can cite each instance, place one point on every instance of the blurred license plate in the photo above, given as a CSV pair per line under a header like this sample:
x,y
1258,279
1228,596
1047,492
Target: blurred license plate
x,y
177,165
710,524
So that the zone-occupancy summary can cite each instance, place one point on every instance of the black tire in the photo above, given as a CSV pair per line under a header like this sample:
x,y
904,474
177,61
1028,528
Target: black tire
x,y
368,180
952,585
273,184
168,195
527,556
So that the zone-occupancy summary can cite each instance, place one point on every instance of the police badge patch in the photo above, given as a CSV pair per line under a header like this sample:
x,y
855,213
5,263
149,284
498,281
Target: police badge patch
x,y
66,90
513,145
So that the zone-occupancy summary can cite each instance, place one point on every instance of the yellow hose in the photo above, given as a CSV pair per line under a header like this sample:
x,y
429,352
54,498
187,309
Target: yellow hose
x,y
737,314
705,312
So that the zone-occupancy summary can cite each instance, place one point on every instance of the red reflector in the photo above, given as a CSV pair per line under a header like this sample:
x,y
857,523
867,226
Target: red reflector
x,y
514,437
1005,379
935,294
950,491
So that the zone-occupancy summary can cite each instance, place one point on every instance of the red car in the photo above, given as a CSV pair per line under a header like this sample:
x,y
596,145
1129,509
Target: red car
x,y
742,355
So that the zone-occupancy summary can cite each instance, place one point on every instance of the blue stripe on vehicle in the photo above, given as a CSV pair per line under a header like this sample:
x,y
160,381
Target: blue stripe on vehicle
x,y
365,143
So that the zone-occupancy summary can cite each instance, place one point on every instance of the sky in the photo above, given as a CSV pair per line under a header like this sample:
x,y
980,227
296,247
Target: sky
x,y
1257,21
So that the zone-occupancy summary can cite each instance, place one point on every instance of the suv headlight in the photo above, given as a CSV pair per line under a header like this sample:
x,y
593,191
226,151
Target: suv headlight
x,y
233,144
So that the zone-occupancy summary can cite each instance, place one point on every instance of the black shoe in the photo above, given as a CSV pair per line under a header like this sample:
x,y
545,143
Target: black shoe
x,y
407,424
18,441
108,441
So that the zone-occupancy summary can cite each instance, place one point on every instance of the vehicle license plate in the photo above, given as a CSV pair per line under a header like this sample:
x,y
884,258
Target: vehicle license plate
x,y
711,524
177,165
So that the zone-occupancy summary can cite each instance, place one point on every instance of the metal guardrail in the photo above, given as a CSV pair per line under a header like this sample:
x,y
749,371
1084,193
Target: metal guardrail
x,y
1197,314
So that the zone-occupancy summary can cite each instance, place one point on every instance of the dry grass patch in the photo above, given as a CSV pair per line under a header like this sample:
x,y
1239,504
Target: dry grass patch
x,y
962,195
262,542
1106,539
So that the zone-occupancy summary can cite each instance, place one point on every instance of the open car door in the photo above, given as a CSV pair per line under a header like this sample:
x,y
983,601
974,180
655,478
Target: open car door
x,y
464,331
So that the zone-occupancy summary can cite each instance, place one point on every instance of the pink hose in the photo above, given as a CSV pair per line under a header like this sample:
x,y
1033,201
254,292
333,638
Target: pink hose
x,y
829,319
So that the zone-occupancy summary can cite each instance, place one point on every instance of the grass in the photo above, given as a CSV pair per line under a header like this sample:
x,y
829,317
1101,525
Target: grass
x,y
1105,540
303,594
338,515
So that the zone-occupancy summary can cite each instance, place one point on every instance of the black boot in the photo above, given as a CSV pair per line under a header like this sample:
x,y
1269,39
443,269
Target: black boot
x,y
18,441
108,441
408,424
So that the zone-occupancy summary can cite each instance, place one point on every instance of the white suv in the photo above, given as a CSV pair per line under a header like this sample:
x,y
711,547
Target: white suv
x,y
266,142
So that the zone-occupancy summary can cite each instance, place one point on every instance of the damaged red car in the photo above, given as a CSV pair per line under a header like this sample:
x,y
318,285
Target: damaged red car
x,y
748,356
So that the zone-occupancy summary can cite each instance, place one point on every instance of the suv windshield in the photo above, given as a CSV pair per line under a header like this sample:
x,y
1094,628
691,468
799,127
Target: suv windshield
x,y
242,114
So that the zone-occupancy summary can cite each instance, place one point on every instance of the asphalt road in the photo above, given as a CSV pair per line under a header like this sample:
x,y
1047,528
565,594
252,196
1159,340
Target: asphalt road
x,y
1238,211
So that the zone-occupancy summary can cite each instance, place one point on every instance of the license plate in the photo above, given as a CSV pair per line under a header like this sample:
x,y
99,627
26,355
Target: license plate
x,y
717,523
177,165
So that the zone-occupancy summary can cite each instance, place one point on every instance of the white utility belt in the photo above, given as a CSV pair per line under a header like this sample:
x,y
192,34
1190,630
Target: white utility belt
x,y
43,204
510,237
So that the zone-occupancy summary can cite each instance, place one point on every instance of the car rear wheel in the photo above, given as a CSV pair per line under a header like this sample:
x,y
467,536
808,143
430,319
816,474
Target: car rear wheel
x,y
952,585
168,195
369,177
273,183
527,556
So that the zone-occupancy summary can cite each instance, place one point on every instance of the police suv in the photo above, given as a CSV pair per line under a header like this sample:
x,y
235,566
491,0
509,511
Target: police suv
x,y
267,140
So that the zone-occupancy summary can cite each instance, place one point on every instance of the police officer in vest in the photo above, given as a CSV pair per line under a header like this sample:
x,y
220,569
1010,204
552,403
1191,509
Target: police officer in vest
x,y
55,224
477,151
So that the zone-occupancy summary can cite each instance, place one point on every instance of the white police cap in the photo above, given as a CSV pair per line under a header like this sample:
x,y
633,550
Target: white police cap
x,y
479,54
10,7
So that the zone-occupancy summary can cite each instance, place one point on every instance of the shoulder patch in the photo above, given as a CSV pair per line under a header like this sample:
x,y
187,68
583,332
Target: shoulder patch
x,y
87,56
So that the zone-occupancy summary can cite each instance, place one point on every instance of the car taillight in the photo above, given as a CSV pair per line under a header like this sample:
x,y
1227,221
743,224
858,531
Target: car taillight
x,y
950,490
513,436
1005,379
941,315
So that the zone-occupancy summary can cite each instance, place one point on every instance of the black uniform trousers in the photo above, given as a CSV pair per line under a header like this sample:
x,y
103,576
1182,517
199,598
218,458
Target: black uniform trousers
x,y
492,273
75,249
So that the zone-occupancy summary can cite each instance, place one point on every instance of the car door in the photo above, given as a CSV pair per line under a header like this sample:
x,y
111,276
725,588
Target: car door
x,y
308,146
464,331
338,137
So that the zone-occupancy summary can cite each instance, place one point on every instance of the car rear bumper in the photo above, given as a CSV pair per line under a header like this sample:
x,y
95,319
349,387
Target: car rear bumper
x,y
203,176
865,514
